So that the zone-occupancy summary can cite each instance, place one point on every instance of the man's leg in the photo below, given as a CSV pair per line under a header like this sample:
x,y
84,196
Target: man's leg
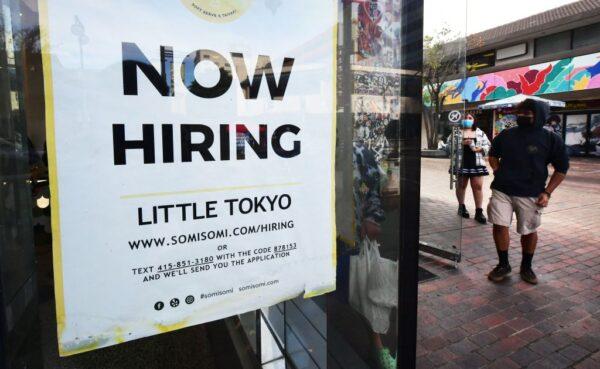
x,y
501,238
529,218
528,244
502,241
500,211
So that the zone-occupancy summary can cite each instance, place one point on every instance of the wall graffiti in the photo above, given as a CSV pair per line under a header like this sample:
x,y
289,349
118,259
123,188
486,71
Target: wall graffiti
x,y
571,74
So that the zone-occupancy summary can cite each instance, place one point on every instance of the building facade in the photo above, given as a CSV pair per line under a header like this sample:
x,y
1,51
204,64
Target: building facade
x,y
555,55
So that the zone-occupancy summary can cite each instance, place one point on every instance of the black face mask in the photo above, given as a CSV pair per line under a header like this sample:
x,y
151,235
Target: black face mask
x,y
524,121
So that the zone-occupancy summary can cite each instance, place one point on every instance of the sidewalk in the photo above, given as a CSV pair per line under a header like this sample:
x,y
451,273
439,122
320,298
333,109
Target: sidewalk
x,y
467,322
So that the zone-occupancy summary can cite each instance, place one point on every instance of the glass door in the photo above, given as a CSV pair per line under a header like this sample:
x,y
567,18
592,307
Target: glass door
x,y
442,184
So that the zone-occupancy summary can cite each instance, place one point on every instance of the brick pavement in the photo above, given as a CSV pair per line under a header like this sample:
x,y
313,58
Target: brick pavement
x,y
467,322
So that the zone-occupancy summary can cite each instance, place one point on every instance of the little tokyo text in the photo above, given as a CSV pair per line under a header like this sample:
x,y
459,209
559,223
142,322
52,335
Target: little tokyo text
x,y
193,211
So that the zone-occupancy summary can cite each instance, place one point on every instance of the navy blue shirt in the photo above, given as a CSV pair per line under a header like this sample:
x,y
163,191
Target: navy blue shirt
x,y
525,153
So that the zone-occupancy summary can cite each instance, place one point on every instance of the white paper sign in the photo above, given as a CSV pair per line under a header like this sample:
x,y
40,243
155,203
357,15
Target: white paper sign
x,y
191,156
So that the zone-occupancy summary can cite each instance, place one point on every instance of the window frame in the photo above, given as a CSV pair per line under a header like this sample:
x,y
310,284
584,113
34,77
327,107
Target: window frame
x,y
482,53
537,40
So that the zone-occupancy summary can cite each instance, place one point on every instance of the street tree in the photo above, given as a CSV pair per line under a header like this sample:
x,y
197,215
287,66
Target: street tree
x,y
443,54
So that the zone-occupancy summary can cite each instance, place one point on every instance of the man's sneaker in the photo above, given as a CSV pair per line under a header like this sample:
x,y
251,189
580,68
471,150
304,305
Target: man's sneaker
x,y
462,211
479,217
499,273
529,276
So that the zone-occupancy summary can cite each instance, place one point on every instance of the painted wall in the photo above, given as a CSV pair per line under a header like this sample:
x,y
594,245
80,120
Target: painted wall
x,y
571,74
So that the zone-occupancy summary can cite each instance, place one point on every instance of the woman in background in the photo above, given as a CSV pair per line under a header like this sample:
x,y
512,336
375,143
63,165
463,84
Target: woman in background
x,y
473,147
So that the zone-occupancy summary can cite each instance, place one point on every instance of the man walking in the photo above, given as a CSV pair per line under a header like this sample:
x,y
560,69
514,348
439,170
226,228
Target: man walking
x,y
519,158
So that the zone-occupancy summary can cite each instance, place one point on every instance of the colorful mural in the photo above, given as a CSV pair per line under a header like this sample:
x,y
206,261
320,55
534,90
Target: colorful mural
x,y
571,74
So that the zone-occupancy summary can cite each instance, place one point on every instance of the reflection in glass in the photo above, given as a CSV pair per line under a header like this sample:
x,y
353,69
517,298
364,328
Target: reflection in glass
x,y
362,310
188,67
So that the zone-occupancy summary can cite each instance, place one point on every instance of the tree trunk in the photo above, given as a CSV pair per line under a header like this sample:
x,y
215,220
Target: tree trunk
x,y
430,128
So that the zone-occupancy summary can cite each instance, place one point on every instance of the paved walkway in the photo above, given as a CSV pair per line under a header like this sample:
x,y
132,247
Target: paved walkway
x,y
467,322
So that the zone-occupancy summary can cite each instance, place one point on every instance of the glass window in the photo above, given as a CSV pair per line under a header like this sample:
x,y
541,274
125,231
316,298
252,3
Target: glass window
x,y
358,323
369,320
554,43
586,36
28,333
575,137
594,135
481,60
511,51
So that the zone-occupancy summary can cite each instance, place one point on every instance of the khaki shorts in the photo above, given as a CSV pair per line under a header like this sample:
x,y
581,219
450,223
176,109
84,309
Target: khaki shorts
x,y
501,208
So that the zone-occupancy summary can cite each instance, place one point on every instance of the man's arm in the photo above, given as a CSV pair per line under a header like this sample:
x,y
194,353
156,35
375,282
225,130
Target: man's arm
x,y
560,162
494,163
495,152
555,180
